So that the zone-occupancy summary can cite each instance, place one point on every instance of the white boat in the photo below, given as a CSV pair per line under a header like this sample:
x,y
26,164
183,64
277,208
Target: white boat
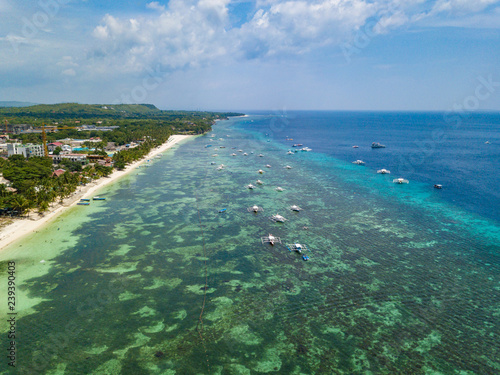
x,y
359,162
400,181
306,149
270,239
288,167
240,150
268,166
219,168
290,152
250,186
260,171
383,171
245,154
255,208
259,182
277,218
233,154
377,145
297,247
487,142
279,188
295,208
355,146
260,155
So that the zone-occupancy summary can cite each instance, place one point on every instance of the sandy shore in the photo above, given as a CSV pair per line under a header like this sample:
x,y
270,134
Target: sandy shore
x,y
21,227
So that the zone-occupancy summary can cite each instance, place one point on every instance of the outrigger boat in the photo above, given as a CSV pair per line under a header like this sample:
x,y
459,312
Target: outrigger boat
x,y
250,186
295,208
85,200
279,188
255,209
260,171
384,171
277,218
359,162
83,203
98,198
400,181
297,247
288,167
259,182
270,239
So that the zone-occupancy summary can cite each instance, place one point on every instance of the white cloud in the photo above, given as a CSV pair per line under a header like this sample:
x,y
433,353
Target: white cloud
x,y
69,72
155,5
462,6
187,33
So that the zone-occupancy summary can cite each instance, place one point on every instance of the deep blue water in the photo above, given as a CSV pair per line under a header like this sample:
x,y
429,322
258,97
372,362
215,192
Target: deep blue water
x,y
425,148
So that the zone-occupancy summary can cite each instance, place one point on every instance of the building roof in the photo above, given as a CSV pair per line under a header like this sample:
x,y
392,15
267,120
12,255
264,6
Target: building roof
x,y
55,144
58,172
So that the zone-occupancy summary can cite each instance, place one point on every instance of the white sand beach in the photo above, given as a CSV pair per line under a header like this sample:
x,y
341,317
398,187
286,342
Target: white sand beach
x,y
22,226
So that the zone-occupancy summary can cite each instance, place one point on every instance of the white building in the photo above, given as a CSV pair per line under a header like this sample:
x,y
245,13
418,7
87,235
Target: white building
x,y
80,158
27,150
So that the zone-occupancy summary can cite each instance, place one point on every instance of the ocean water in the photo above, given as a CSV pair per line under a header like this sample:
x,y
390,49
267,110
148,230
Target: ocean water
x,y
402,279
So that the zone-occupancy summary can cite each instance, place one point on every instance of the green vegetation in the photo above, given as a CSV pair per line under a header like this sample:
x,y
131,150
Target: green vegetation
x,y
32,179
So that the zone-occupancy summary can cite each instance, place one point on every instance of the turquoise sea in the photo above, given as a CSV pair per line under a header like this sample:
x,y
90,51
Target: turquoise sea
x,y
401,278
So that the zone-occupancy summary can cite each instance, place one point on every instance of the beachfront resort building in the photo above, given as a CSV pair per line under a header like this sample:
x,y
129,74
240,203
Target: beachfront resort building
x,y
79,158
27,150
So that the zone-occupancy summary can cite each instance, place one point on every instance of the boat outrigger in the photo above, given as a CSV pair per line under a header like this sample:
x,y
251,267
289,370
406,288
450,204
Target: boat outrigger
x,y
277,218
270,239
297,247
255,209
400,181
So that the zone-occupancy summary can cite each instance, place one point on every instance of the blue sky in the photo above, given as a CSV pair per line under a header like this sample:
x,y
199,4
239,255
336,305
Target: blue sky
x,y
262,54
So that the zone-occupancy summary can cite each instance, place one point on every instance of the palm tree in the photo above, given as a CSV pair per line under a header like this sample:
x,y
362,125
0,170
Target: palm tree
x,y
21,204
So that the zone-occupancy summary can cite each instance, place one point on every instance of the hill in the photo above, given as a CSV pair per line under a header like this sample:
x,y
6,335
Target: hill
x,y
75,111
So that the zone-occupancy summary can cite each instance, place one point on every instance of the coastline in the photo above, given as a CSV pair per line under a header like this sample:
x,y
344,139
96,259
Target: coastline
x,y
21,227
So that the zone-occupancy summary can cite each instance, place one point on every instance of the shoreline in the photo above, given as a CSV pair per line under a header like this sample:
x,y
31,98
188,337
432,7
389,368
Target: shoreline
x,y
23,226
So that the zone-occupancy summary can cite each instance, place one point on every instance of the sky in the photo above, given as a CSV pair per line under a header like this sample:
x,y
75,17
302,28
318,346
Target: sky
x,y
248,55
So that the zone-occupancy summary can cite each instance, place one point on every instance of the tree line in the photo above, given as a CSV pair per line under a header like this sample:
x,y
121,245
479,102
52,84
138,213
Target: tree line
x,y
32,183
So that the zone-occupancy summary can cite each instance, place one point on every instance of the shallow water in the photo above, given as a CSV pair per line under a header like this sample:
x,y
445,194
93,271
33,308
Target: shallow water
x,y
154,280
